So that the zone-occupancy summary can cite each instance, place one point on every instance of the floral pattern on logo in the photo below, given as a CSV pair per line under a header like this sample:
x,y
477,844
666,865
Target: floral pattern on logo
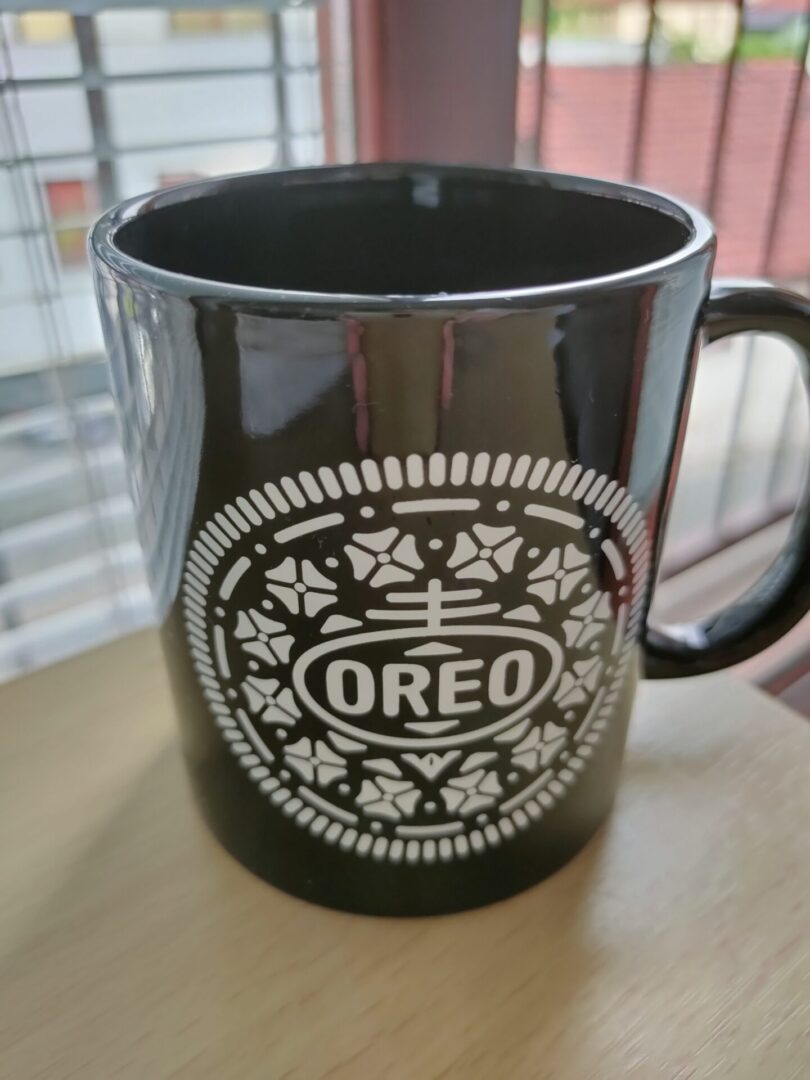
x,y
295,586
475,791
276,706
388,556
488,550
325,637
591,616
540,747
576,687
263,638
316,763
559,574
384,797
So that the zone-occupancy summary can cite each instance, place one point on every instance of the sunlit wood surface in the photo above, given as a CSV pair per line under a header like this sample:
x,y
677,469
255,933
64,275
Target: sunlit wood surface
x,y
675,946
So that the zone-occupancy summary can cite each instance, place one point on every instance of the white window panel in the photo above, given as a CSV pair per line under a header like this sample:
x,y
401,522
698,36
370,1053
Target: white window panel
x,y
300,37
78,281
791,469
746,443
72,168
29,270
769,393
40,480
83,323
26,343
27,337
54,119
132,26
16,280
71,574
45,641
709,432
169,111
140,171
9,216
40,59
306,149
56,538
70,583
303,101
56,461
7,137
134,41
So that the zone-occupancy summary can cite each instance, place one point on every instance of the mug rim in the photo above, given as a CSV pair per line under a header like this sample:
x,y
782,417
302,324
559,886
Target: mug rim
x,y
103,247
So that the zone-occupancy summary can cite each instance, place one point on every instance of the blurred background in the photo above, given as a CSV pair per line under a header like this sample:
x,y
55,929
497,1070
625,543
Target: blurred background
x,y
707,99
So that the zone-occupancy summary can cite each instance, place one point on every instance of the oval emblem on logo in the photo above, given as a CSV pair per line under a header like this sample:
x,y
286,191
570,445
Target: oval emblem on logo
x,y
427,688
414,660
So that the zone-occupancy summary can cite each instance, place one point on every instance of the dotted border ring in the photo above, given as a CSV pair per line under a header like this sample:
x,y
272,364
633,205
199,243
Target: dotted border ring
x,y
238,518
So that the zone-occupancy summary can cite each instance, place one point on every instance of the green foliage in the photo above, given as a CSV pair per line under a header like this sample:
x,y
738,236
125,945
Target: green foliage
x,y
589,21
779,44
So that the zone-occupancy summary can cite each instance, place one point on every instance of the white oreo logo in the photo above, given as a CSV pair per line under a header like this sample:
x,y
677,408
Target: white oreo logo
x,y
414,660
427,700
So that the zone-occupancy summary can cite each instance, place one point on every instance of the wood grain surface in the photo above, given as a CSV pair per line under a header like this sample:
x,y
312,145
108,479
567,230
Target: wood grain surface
x,y
675,946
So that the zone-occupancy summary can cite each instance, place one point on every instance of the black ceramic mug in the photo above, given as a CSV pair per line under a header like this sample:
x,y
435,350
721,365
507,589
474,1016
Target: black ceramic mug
x,y
401,441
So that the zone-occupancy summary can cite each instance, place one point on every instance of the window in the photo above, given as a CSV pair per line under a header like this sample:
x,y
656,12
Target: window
x,y
235,21
72,205
71,574
167,180
71,199
44,27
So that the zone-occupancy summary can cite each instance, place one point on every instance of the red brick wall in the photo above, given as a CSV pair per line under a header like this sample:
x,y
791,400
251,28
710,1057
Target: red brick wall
x,y
588,126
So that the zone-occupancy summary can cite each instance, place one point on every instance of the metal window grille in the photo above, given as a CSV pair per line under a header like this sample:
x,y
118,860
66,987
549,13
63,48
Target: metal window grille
x,y
95,108
708,100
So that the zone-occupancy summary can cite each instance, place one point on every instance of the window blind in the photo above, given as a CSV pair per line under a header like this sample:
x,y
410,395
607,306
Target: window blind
x,y
96,108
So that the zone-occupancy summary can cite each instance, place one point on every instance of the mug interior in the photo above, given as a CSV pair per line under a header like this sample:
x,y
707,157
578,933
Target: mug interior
x,y
413,232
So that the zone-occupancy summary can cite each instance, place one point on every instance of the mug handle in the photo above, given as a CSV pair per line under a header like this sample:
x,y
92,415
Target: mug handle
x,y
782,595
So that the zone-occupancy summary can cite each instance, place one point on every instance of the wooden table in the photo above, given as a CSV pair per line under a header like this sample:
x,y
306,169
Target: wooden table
x,y
675,946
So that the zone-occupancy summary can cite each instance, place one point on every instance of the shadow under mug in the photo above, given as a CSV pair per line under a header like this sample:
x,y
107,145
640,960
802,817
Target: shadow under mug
x,y
402,439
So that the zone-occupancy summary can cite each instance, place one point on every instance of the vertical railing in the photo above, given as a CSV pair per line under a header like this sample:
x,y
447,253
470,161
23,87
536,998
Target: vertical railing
x,y
788,146
718,152
643,96
280,85
546,114
84,30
